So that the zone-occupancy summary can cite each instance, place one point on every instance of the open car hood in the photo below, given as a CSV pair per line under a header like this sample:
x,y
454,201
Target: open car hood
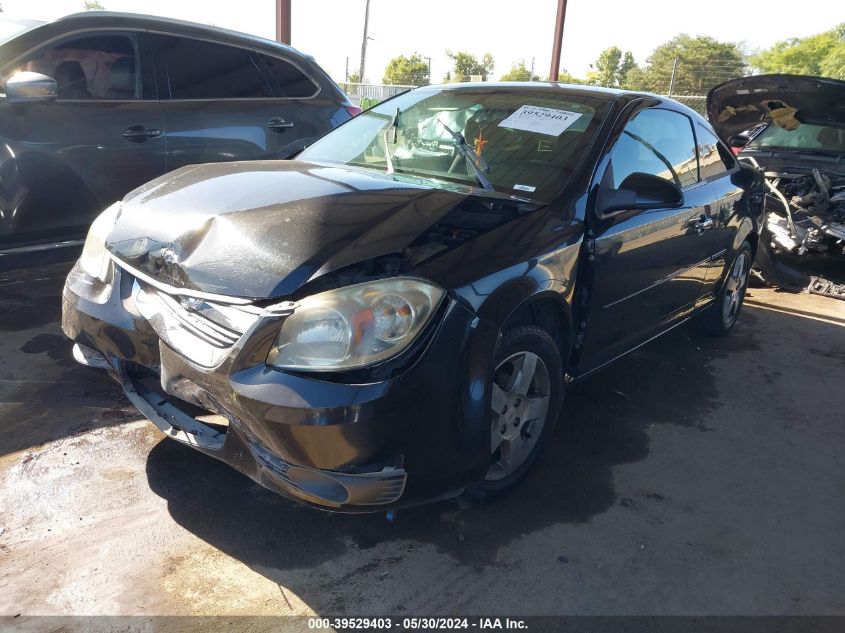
x,y
741,104
262,229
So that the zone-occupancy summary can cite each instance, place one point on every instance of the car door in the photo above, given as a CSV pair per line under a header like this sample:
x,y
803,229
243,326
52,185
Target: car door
x,y
218,103
304,112
650,264
717,168
71,157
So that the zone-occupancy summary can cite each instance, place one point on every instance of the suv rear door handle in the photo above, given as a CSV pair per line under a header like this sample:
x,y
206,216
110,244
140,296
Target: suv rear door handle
x,y
278,123
139,133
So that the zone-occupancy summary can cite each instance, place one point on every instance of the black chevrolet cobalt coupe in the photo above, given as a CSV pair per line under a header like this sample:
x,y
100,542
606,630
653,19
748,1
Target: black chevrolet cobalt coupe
x,y
392,317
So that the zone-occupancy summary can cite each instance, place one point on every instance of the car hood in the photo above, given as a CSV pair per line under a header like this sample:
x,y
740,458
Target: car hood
x,y
262,229
740,104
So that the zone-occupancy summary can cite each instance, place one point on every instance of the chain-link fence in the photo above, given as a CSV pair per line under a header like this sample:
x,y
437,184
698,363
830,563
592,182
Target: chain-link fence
x,y
696,102
681,79
376,92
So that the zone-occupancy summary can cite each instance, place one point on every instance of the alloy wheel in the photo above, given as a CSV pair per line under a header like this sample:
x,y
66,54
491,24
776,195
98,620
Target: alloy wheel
x,y
520,403
734,290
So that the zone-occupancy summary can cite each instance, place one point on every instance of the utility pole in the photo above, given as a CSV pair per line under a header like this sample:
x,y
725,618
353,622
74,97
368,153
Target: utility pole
x,y
531,74
672,80
558,41
364,43
283,21
429,70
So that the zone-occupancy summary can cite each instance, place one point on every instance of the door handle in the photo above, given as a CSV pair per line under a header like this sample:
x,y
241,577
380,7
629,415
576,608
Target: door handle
x,y
139,133
701,223
278,123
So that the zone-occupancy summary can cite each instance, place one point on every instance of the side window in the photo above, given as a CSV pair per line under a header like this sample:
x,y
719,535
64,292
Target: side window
x,y
88,67
713,157
202,70
290,81
658,142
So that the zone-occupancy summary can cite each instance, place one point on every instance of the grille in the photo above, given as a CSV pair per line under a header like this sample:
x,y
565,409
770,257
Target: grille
x,y
201,330
197,323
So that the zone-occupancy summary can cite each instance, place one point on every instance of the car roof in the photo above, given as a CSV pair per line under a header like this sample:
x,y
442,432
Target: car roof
x,y
85,19
609,94
533,85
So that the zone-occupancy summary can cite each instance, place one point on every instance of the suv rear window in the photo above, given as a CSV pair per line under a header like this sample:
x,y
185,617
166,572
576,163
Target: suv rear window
x,y
202,70
290,81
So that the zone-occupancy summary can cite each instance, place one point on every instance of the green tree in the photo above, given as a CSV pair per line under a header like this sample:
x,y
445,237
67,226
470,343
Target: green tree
x,y
519,72
833,65
607,66
635,79
94,5
353,78
805,55
699,63
627,66
566,77
465,65
407,71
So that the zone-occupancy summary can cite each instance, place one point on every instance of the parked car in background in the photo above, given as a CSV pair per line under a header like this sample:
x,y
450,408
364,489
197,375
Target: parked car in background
x,y
380,322
793,128
96,104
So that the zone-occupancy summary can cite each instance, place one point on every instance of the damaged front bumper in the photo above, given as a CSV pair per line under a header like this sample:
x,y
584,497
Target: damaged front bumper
x,y
330,444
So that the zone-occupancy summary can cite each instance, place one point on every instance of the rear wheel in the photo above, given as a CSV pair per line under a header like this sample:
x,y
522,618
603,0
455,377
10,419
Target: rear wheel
x,y
527,391
720,317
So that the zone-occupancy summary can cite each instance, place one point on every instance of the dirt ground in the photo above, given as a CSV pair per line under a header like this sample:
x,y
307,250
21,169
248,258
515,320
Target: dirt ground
x,y
696,476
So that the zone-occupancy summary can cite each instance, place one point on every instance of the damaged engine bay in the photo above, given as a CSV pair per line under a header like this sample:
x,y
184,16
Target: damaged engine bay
x,y
806,222
792,129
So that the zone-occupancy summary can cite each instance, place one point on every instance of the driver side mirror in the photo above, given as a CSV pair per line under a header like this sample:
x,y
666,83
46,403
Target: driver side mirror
x,y
27,87
639,191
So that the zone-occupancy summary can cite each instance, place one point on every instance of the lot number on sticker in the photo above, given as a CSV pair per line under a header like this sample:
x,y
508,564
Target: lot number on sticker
x,y
540,120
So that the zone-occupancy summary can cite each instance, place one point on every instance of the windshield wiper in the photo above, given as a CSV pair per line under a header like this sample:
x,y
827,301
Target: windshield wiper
x,y
394,125
478,164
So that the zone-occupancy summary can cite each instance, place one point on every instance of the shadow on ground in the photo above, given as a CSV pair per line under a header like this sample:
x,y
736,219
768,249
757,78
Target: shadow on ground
x,y
44,394
607,421
604,423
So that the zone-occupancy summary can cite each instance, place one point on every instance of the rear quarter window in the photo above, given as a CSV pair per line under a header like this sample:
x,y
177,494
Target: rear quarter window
x,y
289,80
713,157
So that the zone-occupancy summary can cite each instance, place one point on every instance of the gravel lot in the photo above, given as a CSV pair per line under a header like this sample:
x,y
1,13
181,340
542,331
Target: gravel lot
x,y
696,476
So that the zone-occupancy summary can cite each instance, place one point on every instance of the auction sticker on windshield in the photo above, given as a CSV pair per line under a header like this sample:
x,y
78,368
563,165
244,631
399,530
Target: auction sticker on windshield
x,y
540,120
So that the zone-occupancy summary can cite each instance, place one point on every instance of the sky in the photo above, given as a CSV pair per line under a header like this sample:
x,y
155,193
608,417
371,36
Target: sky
x,y
331,30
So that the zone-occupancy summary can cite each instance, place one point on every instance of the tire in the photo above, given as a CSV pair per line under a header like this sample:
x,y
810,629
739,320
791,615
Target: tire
x,y
520,424
719,318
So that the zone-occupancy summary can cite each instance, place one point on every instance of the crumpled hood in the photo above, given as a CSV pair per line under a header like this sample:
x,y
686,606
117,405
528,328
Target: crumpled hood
x,y
740,104
262,229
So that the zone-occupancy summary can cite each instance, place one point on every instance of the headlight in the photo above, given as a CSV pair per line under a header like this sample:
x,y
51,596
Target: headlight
x,y
354,326
94,260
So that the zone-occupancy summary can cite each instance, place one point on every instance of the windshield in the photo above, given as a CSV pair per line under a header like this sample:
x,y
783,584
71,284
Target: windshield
x,y
11,28
818,138
522,142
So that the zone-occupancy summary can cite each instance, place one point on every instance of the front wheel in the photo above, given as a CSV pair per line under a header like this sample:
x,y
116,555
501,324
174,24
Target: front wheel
x,y
527,391
720,317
